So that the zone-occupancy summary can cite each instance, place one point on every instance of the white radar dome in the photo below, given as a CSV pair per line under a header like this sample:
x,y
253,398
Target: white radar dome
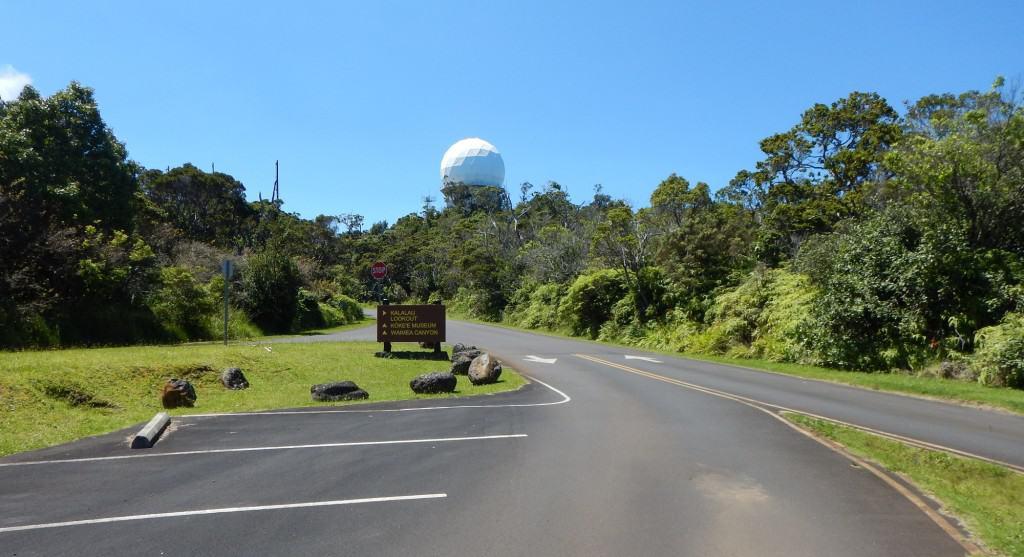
x,y
474,162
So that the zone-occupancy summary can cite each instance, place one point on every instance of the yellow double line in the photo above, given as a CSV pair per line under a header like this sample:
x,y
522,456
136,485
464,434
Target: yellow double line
x,y
767,408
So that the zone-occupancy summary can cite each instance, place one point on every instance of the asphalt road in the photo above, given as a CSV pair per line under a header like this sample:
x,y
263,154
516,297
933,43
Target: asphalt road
x,y
592,458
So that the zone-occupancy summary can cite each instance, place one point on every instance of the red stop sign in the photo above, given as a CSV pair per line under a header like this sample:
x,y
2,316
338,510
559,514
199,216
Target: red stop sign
x,y
379,270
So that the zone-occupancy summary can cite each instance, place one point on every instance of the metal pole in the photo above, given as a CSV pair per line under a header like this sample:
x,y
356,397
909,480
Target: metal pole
x,y
387,345
226,283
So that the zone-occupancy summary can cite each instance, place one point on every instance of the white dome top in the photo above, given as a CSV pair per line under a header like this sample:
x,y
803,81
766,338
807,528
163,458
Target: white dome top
x,y
474,162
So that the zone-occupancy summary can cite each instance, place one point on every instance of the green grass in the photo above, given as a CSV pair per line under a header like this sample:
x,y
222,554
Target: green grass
x,y
933,387
54,396
988,498
366,322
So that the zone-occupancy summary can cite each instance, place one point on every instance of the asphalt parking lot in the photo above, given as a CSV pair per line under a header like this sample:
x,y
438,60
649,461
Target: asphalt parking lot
x,y
281,479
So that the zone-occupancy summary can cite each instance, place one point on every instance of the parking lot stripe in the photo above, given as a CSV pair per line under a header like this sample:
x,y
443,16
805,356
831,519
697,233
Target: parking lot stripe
x,y
271,448
108,520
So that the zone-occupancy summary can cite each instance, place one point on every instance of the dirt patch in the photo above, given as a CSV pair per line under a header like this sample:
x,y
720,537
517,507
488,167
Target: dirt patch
x,y
75,395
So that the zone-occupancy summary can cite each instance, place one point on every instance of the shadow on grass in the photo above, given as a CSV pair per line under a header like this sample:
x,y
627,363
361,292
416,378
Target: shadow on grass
x,y
410,355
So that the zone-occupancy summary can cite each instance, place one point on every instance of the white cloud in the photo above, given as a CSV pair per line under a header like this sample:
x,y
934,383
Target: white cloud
x,y
12,82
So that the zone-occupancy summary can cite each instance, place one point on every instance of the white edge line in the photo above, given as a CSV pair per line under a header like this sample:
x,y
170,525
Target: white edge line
x,y
270,448
565,398
221,511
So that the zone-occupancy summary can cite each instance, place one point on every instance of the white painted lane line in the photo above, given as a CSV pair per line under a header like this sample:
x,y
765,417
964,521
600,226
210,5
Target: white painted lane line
x,y
539,360
222,511
565,398
644,358
272,448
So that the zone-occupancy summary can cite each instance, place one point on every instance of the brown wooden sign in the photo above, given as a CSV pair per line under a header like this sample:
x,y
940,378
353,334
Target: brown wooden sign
x,y
421,323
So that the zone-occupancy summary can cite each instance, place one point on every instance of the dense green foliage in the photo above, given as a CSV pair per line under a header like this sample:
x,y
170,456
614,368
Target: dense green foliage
x,y
865,239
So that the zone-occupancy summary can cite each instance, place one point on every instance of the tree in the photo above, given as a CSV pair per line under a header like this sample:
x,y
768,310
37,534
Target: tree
x,y
204,206
624,240
963,157
62,171
818,173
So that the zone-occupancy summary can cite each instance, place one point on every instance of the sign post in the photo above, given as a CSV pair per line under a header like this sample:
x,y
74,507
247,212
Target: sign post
x,y
229,270
413,323
379,271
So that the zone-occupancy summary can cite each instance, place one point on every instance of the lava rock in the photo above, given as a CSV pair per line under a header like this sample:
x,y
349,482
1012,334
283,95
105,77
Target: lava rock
x,y
461,361
484,369
339,390
459,347
234,379
429,383
177,393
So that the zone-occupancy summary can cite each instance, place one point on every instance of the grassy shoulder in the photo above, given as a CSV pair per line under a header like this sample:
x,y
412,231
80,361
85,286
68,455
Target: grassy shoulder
x,y
933,387
54,396
988,498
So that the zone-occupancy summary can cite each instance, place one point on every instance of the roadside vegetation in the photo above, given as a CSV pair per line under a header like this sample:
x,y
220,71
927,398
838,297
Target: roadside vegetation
x,y
866,239
54,396
988,498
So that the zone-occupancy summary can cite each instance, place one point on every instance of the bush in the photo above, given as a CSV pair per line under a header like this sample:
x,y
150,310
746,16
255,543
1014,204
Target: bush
x,y
349,308
307,312
675,332
270,286
536,307
623,325
783,327
766,316
474,303
182,305
590,299
999,359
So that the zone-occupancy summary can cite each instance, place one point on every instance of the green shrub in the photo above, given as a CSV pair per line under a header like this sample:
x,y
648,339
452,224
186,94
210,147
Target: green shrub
x,y
783,327
623,325
675,332
350,309
182,304
307,312
999,359
590,299
766,316
270,285
536,307
239,325
331,316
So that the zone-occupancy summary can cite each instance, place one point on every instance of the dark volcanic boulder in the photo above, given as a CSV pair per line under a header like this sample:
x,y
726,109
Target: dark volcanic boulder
x,y
339,390
177,393
484,369
461,360
234,379
438,382
459,347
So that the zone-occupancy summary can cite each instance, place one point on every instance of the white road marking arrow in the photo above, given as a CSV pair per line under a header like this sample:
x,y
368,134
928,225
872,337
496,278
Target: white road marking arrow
x,y
644,358
539,360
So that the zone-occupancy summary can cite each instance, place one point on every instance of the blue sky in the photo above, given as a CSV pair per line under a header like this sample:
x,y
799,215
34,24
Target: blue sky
x,y
360,100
